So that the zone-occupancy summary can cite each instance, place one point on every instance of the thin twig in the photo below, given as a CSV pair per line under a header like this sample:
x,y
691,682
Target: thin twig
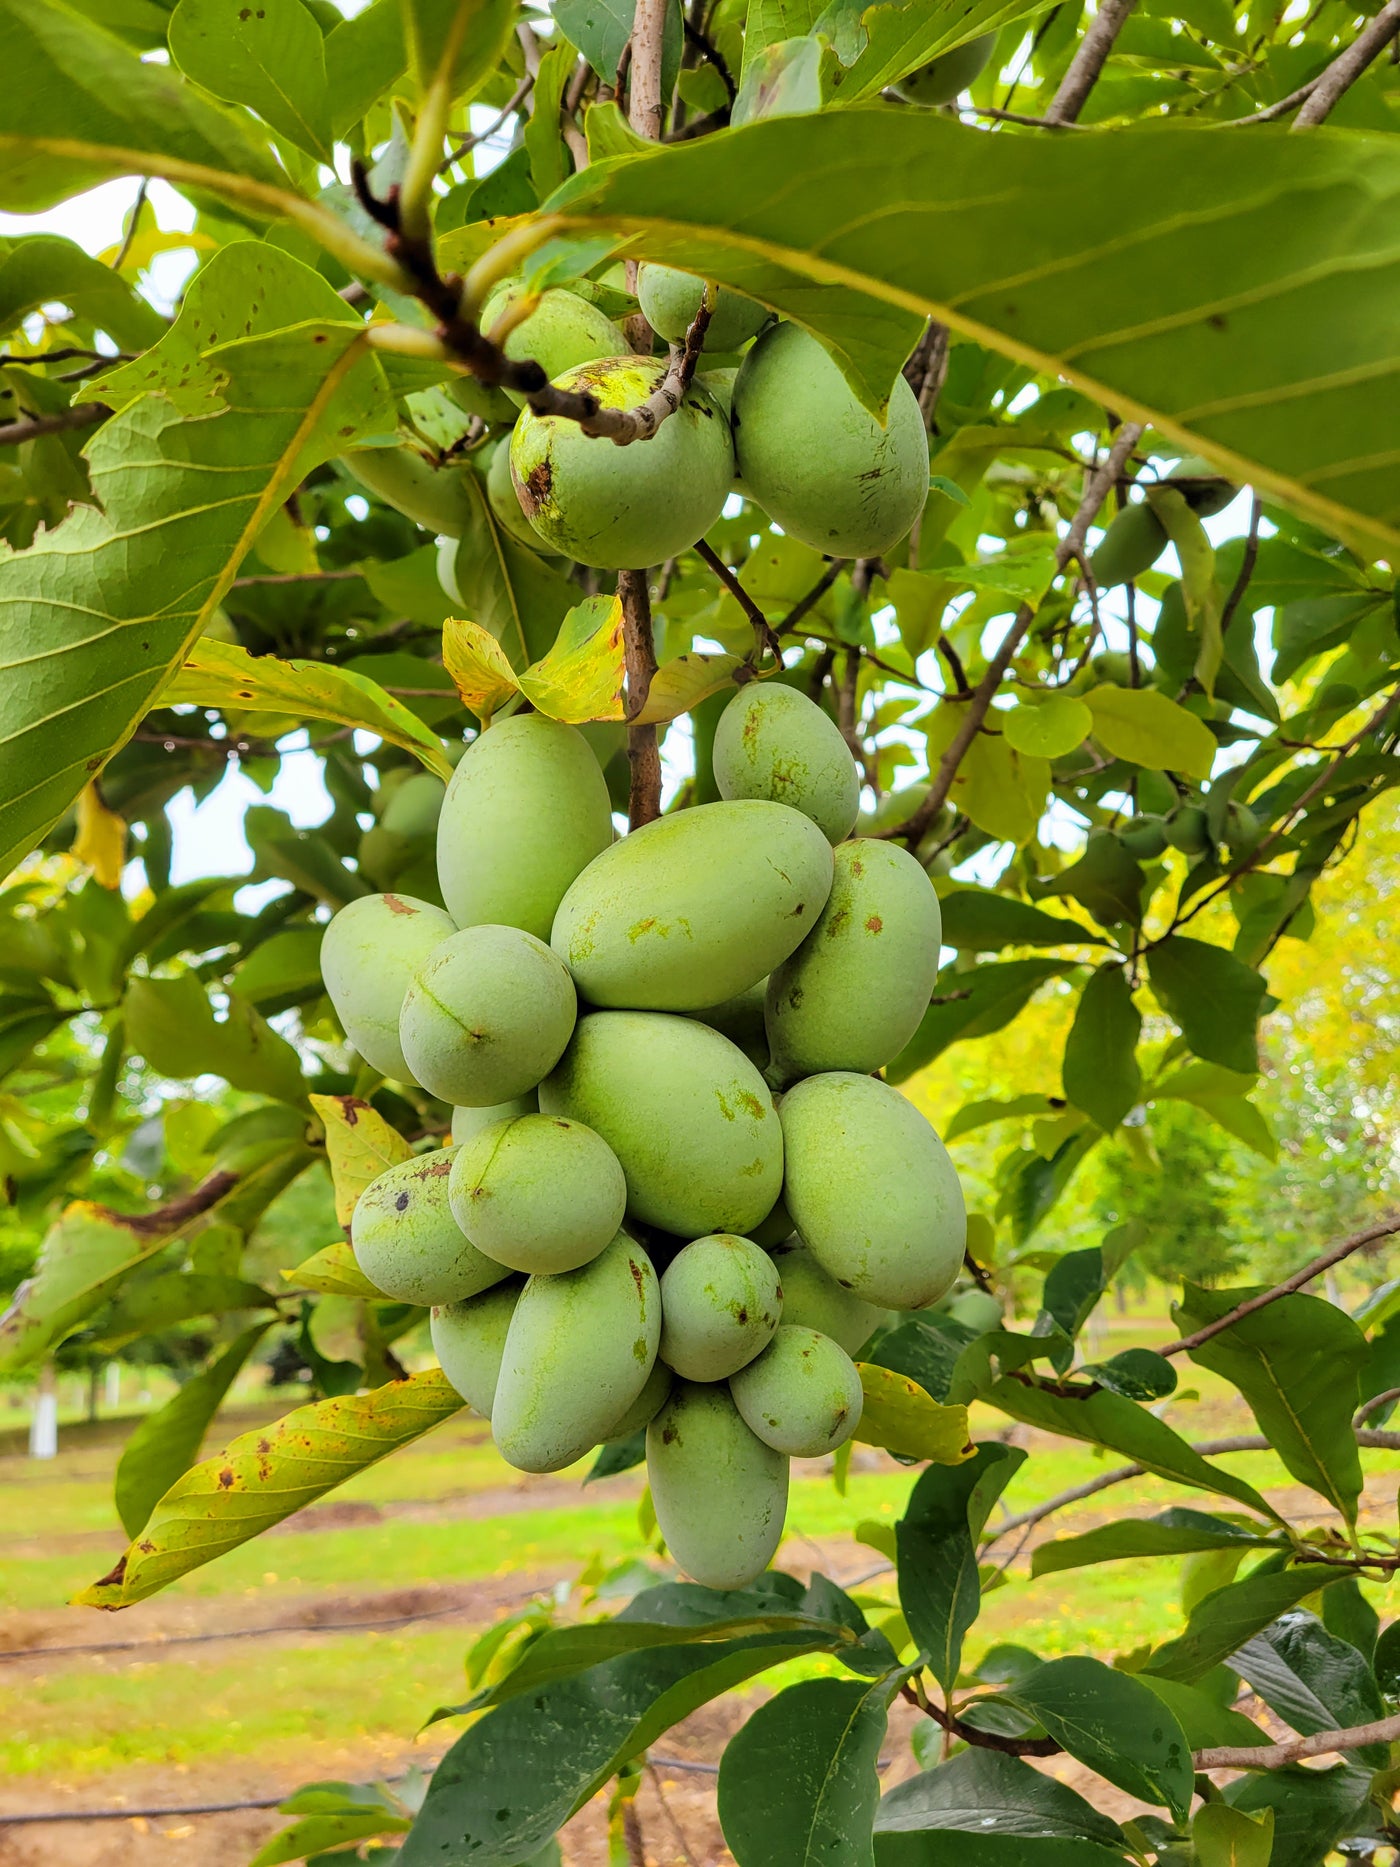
x,y
1088,62
130,234
1374,1404
84,415
639,648
1272,111
67,353
763,629
670,1815
712,52
806,604
1384,1228
294,576
1296,1749
1016,116
1241,584
1343,72
468,143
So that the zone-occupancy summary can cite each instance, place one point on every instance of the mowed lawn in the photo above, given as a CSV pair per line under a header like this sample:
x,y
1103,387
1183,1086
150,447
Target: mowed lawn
x,y
446,1524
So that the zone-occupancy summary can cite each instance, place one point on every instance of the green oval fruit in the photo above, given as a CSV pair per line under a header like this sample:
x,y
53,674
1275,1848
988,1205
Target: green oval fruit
x,y
1205,491
775,1230
719,1493
720,385
539,1193
432,496
620,507
1242,829
740,1019
414,806
852,995
872,1190
1134,541
561,332
469,1340
487,1015
527,808
1115,666
802,1396
670,300
369,955
944,79
685,1112
500,490
467,1122
720,1304
693,908
1143,837
774,743
578,1353
1188,829
812,1299
815,460
646,1406
407,1242
978,1309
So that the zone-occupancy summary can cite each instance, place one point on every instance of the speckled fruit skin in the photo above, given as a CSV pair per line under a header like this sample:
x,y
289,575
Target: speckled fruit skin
x,y
720,1304
578,1353
719,1493
852,995
487,1015
872,1191
802,1395
469,1340
947,77
526,809
670,299
539,1193
467,1122
369,955
646,1406
505,503
407,1242
774,743
815,460
693,908
686,1113
812,1299
612,507
561,332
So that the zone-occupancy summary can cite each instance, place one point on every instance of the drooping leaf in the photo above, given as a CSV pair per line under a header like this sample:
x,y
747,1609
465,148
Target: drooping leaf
x,y
936,1541
1101,1072
983,922
1106,879
1147,728
480,670
899,1415
984,1794
219,674
333,1270
268,1474
1207,1723
1171,1533
682,683
360,1145
1214,998
581,678
1111,1721
1222,1621
1312,1680
1226,1837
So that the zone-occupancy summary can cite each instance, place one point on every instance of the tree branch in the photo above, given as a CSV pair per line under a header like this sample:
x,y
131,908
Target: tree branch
x,y
84,415
639,649
1071,546
1343,72
806,604
646,107
1088,62
763,629
1295,1749
1374,1404
1251,553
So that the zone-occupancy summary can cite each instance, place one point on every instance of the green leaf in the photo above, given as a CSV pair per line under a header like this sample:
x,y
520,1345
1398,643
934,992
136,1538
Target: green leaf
x,y
973,1004
269,56
1312,1680
798,1782
1223,1096
1146,728
219,674
505,587
326,1836
1111,1722
141,573
549,163
167,1442
1200,592
1106,879
769,22
936,1541
984,1795
882,43
1214,998
1222,1621
1047,728
1297,1362
901,1416
976,920
1312,1809
1135,1373
1226,1837
42,268
149,1305
364,55
479,29
1101,1073
974,1115
1294,259
581,678
172,1025
1207,1723
1171,1533
1001,790
601,28
269,1474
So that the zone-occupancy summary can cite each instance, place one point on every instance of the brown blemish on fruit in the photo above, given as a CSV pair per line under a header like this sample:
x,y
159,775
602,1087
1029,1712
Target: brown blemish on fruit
x,y
401,1203
874,924
536,488
397,905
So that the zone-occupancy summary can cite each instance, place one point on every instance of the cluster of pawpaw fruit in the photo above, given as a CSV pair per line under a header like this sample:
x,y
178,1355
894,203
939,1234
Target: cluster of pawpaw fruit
x,y
678,1196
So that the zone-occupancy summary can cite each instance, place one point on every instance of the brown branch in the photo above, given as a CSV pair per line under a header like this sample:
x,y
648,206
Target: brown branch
x,y
1384,1228
666,1809
709,50
169,1218
1016,116
983,1740
1088,62
1241,584
259,578
468,143
1071,546
129,236
639,648
1343,72
1272,111
84,415
764,632
1295,1749
646,107
953,661
806,604
1374,1404
66,353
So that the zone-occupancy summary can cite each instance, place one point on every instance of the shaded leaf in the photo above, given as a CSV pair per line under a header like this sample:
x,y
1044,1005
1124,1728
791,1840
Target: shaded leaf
x,y
1106,879
984,1793
1214,998
1220,1623
172,1025
936,1543
1312,1680
1226,1837
973,1003
1101,1073
1114,1724
1312,1809
980,921
1171,1533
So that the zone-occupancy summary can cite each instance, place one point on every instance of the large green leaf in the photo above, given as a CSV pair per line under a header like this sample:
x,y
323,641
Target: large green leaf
x,y
1214,997
96,615
172,1025
270,57
1222,1621
43,268
936,1541
1111,1721
984,1796
1101,1072
266,1475
1297,1362
1171,1533
973,1004
1238,291
1313,1680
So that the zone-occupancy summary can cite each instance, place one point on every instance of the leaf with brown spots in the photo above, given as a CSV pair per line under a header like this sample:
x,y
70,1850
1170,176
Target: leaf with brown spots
x,y
267,1475
581,676
360,1145
902,1417
478,665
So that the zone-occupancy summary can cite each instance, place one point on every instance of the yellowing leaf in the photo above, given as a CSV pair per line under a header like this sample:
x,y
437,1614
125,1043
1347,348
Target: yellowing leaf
x,y
332,1270
217,674
478,666
360,1145
266,1475
1047,728
903,1417
1146,728
581,677
1001,790
679,685
101,838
